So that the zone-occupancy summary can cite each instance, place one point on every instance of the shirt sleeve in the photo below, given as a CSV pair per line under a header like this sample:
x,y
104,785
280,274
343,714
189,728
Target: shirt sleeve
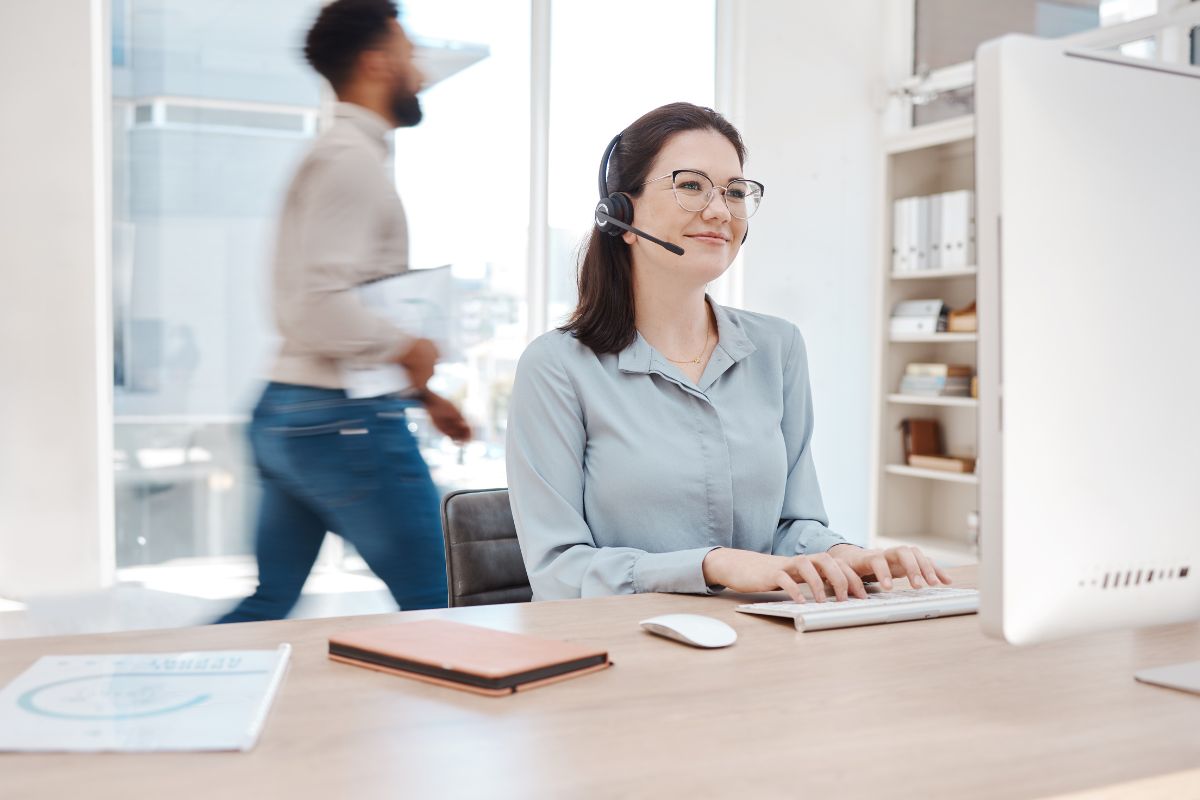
x,y
545,459
338,222
803,524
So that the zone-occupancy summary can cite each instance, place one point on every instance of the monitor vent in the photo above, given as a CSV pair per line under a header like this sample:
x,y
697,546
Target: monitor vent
x,y
1124,579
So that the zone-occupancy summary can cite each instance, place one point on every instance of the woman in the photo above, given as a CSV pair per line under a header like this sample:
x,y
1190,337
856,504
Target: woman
x,y
659,442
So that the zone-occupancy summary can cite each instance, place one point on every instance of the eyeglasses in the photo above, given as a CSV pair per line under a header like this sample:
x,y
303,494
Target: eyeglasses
x,y
695,190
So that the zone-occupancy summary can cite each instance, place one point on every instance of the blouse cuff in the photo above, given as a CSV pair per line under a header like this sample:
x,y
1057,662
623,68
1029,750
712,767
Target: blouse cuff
x,y
818,539
681,571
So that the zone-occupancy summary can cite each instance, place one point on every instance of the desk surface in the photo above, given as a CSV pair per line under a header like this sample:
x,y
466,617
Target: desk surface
x,y
929,708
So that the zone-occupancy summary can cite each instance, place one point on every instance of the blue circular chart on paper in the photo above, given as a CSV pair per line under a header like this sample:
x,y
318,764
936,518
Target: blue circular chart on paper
x,y
111,696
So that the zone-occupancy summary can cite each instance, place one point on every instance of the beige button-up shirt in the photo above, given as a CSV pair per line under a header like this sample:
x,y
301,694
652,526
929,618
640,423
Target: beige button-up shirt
x,y
342,225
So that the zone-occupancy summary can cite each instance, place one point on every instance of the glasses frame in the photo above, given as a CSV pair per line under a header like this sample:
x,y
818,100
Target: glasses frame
x,y
762,191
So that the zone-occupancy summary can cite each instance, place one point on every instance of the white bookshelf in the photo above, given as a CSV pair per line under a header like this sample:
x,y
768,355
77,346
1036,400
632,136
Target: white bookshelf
x,y
924,507
925,137
934,338
931,474
935,274
918,400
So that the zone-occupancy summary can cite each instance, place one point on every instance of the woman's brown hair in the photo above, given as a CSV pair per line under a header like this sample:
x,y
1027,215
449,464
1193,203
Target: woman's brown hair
x,y
604,317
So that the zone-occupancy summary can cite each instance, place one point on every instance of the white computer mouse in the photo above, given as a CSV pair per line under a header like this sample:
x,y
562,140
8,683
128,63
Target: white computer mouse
x,y
694,629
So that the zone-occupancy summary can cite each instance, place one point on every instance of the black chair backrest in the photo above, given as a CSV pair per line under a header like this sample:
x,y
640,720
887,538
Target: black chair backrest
x,y
483,558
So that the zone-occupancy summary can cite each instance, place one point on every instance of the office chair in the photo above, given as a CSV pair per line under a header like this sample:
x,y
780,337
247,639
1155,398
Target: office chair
x,y
483,559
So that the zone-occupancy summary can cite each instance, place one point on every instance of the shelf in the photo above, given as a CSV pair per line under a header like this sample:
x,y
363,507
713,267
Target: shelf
x,y
918,400
959,129
936,337
965,272
932,474
944,551
930,504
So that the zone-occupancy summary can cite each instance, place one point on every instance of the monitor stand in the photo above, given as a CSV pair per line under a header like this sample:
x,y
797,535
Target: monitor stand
x,y
1184,677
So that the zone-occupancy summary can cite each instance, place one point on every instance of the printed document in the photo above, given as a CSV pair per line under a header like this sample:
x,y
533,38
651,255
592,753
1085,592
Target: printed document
x,y
144,702
417,302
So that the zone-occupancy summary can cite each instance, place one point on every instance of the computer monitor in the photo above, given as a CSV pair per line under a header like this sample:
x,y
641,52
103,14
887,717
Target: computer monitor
x,y
1088,229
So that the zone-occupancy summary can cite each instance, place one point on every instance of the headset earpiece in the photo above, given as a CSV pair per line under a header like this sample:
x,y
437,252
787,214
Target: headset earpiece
x,y
615,204
618,206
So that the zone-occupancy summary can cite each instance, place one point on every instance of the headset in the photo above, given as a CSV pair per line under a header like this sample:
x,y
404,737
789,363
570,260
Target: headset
x,y
614,212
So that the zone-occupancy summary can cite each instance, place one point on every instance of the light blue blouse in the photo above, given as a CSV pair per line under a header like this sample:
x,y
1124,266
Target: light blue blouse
x,y
623,474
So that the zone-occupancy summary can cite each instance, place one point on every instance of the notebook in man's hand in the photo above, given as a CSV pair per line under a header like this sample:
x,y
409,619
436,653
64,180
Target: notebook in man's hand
x,y
467,657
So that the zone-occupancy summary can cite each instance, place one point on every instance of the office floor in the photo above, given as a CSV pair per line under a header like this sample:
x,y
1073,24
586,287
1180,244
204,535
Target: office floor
x,y
176,597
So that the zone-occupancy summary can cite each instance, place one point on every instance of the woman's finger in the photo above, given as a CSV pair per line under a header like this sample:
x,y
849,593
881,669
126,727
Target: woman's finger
x,y
809,575
883,574
831,570
909,567
790,586
927,569
856,585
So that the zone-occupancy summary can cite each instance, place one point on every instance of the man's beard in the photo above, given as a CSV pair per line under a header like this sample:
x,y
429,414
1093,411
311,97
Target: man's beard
x,y
406,109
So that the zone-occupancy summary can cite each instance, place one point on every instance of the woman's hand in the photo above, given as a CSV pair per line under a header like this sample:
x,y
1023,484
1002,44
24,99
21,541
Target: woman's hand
x,y
894,562
841,569
746,571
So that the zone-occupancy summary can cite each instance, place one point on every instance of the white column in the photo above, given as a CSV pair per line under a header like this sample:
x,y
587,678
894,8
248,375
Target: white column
x,y
730,84
813,76
56,497
537,286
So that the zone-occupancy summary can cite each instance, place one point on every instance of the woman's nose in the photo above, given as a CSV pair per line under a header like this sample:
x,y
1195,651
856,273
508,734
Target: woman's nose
x,y
715,208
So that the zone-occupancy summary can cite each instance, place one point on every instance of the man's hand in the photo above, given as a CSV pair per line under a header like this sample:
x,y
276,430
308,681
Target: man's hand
x,y
446,418
418,360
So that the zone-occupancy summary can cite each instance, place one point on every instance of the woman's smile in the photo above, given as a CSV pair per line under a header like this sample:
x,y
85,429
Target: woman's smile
x,y
714,238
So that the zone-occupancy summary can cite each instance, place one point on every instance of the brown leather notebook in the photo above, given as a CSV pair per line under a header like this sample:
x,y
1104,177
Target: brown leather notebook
x,y
467,657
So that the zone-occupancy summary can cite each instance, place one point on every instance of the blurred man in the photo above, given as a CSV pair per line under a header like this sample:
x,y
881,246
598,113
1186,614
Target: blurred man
x,y
329,462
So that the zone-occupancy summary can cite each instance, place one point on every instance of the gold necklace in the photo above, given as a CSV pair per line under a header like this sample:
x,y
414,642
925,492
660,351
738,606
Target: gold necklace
x,y
696,360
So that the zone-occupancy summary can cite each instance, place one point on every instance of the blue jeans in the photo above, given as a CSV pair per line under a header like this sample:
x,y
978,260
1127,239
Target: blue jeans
x,y
330,463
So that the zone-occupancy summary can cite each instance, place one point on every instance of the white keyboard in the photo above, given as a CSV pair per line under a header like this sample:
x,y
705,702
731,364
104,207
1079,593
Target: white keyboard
x,y
899,605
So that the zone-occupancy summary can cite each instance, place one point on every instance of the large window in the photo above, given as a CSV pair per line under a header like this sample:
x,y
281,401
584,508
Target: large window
x,y
463,176
213,107
600,84
211,110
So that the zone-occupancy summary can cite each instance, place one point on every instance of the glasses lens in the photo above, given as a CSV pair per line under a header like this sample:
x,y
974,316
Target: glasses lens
x,y
743,198
692,190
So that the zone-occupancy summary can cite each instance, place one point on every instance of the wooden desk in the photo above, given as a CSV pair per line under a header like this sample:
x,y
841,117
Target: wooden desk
x,y
923,709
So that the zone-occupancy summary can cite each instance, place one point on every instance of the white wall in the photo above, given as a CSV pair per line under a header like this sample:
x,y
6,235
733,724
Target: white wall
x,y
813,73
55,353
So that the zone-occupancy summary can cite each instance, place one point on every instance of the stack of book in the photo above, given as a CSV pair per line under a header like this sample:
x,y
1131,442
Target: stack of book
x,y
923,447
963,320
936,232
944,463
918,317
936,380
